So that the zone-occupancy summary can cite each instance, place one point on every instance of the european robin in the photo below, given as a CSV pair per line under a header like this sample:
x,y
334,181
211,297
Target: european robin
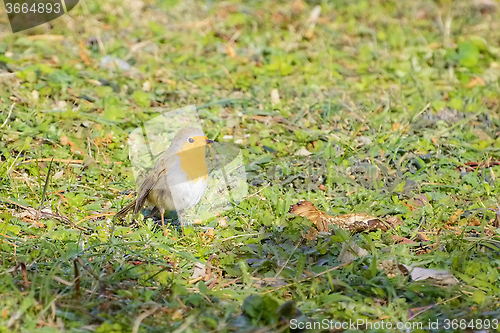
x,y
179,178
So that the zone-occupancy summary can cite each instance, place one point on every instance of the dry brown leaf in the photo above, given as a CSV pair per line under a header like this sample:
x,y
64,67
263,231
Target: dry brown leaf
x,y
401,240
266,120
223,222
269,282
453,218
64,140
422,237
392,268
104,141
230,51
419,200
83,53
73,147
311,235
178,314
363,128
393,221
475,81
354,222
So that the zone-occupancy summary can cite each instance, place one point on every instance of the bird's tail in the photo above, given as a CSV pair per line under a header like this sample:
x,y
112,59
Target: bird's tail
x,y
125,210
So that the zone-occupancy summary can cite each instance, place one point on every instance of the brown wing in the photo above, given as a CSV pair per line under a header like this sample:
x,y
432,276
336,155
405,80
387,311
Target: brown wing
x,y
162,168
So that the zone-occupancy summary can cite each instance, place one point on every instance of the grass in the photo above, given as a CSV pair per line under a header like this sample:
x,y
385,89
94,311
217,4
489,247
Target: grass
x,y
394,100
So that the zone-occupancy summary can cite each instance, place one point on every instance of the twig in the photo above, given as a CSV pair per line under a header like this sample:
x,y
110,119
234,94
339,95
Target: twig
x,y
62,160
230,282
32,211
79,260
60,280
94,216
8,171
8,116
77,279
290,257
102,284
244,235
22,265
430,307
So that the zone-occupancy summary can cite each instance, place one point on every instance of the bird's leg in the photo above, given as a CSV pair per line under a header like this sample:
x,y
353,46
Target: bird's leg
x,y
162,212
182,224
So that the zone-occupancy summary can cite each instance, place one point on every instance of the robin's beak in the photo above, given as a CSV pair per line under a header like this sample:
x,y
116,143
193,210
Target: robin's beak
x,y
209,141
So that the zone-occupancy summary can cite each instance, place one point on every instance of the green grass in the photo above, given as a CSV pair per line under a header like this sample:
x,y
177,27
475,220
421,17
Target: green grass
x,y
392,98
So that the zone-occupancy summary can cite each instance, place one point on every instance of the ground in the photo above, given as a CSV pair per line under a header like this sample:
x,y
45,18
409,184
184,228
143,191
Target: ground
x,y
383,107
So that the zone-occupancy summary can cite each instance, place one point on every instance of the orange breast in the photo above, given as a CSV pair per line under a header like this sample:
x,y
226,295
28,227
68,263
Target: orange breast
x,y
193,163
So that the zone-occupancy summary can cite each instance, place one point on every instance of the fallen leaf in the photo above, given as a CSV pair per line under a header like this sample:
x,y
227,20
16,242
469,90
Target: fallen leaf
x,y
454,218
311,235
438,276
58,175
363,128
178,314
83,53
351,251
401,240
419,200
422,237
471,166
223,222
393,221
474,222
104,141
269,282
354,222
73,147
199,271
475,81
64,140
392,268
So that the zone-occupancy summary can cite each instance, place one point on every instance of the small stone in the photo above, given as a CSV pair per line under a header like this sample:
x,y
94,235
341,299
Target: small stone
x,y
275,96
303,152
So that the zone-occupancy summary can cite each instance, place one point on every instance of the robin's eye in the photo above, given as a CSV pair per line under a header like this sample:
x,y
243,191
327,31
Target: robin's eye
x,y
191,140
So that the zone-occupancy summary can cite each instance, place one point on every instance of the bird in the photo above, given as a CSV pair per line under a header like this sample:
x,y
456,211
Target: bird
x,y
178,179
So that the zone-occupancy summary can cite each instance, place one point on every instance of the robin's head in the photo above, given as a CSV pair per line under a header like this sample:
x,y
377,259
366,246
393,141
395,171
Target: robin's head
x,y
189,138
189,145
